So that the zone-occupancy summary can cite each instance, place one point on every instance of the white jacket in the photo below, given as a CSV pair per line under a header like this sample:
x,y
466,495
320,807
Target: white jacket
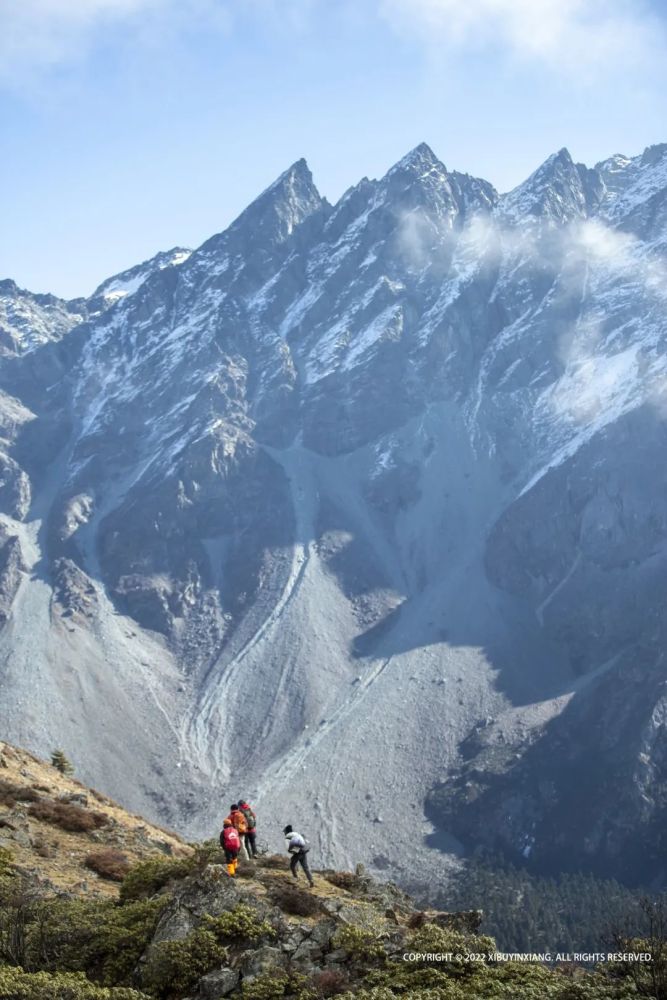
x,y
295,842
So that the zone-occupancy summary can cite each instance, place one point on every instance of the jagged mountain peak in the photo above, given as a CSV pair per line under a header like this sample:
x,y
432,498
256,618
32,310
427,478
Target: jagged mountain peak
x,y
637,191
274,215
420,182
298,172
419,160
125,283
559,191
292,197
28,320
653,154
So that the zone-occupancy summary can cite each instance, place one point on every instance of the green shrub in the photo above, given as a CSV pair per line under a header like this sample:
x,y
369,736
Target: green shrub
x,y
276,986
114,951
6,861
175,966
15,984
359,943
434,939
402,977
239,924
61,762
376,993
97,937
508,981
148,877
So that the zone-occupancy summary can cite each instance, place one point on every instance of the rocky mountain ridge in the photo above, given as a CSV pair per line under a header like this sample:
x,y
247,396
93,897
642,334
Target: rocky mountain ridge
x,y
359,507
173,925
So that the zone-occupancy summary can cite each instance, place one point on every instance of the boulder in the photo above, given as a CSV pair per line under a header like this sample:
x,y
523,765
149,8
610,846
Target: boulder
x,y
218,984
262,960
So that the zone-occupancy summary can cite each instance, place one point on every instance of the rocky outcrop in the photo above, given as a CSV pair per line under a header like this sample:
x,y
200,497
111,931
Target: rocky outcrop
x,y
11,571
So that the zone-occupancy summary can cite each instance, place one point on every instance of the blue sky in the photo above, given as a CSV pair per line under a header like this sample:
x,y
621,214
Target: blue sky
x,y
130,126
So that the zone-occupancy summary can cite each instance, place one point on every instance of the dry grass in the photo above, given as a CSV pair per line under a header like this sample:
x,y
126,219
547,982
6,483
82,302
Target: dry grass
x,y
44,846
67,816
11,793
108,863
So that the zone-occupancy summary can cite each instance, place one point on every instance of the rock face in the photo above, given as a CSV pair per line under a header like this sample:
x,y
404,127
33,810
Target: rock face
x,y
358,509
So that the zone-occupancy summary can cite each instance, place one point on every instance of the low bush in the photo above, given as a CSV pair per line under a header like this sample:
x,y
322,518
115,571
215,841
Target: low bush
x,y
174,967
242,923
148,877
11,793
67,816
6,861
15,984
246,869
343,880
43,849
108,863
291,899
275,986
97,937
277,861
329,983
359,943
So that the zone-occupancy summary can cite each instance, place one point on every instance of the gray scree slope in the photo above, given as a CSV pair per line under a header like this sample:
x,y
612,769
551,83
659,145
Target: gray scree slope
x,y
360,510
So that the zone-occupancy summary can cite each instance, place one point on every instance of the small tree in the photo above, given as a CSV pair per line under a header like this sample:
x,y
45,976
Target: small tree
x,y
61,762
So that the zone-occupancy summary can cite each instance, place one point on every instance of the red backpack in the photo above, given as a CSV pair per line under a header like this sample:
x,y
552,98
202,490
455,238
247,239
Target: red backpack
x,y
230,839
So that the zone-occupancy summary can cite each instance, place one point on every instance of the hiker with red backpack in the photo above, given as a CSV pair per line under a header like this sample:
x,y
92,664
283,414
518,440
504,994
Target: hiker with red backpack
x,y
240,824
251,833
230,842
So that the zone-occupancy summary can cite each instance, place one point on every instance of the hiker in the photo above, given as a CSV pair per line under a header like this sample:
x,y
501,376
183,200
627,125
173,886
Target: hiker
x,y
240,823
251,822
231,845
298,847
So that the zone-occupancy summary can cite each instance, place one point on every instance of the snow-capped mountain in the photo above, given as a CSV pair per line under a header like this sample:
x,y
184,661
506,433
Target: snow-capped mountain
x,y
358,509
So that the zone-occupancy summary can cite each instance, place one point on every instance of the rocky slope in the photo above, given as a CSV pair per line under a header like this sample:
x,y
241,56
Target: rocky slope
x,y
358,509
182,928
58,832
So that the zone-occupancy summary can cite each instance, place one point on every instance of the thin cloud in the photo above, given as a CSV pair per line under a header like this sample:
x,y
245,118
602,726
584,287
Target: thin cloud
x,y
587,36
38,36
